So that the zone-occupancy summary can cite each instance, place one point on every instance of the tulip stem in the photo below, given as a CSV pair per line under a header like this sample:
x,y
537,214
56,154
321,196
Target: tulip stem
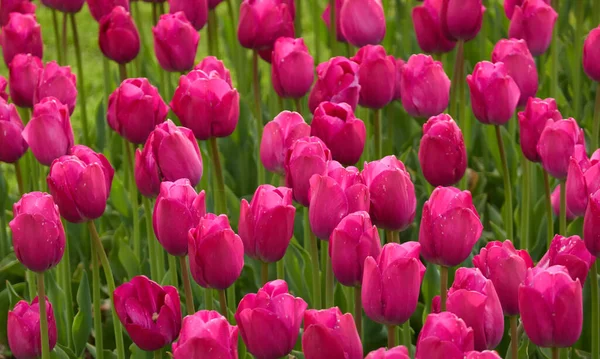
x,y
377,130
514,343
298,105
392,236
258,123
151,242
66,264
57,37
507,189
406,337
358,310
555,353
223,302
187,285
332,27
264,272
122,72
596,124
110,281
554,56
158,354
595,318
525,210
43,316
133,198
329,280
563,208
443,287
221,200
19,176
391,336
549,217
173,269
99,339
280,269
64,37
210,32
81,83
457,81
314,254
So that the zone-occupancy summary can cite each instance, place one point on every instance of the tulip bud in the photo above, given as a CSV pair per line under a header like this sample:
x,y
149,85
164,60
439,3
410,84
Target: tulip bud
x,y
135,108
326,16
278,136
292,72
270,320
170,153
59,82
175,42
444,335
392,283
486,354
494,94
263,22
12,144
118,36
49,133
68,6
21,35
306,157
399,352
216,252
150,313
362,22
571,253
328,328
210,64
23,329
551,306
24,72
376,76
80,184
591,225
392,207
520,65
101,8
337,81
532,122
461,19
509,6
428,28
557,144
450,226
9,6
206,104
196,11
206,334
533,22
38,234
267,223
425,87
398,81
591,54
442,152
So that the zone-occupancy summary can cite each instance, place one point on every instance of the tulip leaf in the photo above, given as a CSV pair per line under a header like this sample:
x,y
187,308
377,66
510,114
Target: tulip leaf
x,y
107,353
575,228
58,353
137,353
82,324
57,296
101,126
128,259
118,196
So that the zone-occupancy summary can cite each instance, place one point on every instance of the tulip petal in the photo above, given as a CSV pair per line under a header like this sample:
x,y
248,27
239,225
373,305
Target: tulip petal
x,y
372,291
173,238
36,242
401,283
201,348
176,159
328,205
536,316
91,192
319,342
222,258
266,335
456,232
274,230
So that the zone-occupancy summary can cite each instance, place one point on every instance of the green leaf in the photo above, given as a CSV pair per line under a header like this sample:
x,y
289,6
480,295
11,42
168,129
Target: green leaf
x,y
82,324
58,353
128,259
118,196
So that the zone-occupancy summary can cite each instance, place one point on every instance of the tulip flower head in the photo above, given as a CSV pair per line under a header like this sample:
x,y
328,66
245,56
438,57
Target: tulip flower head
x,y
262,22
571,253
206,334
306,157
24,72
12,143
557,144
23,329
591,54
292,71
537,115
326,16
330,329
486,354
210,64
362,22
118,36
591,225
337,81
376,76
509,6
424,86
196,11
520,65
101,8
21,35
278,136
428,28
59,82
533,22
399,352
175,42
9,6
444,335
461,19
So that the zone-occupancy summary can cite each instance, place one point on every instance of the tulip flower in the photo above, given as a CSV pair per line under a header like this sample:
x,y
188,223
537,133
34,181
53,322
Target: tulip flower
x,y
533,22
337,81
557,144
206,104
306,157
583,179
178,209
571,253
442,152
118,36
21,35
216,252
267,223
206,334
494,94
486,354
507,268
135,108
425,87
509,6
49,133
270,320
175,42
376,76
278,136
292,72
23,329
450,226
101,8
170,153
551,306
362,22
399,352
444,335
342,132
3,94
12,144
532,122
326,16
68,6
264,21
59,82
461,19
398,83
351,242
392,283
38,235
24,72
80,184
428,28
520,65
210,64
330,334
150,313
196,11
9,6
591,54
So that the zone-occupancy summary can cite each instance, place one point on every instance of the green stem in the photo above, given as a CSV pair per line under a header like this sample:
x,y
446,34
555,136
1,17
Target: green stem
x,y
596,124
158,354
555,352
406,337
3,237
457,80
258,113
66,264
187,285
19,176
154,13
443,287
392,236
525,210
332,27
133,197
30,278
507,187
57,37
220,193
231,303
329,279
563,208
514,343
314,254
554,56
579,30
80,82
298,105
391,336
223,302
208,299
595,317
211,34
43,316
377,126
298,19
151,241
264,272
65,41
549,218
99,340
280,269
173,268
122,72
316,15
107,90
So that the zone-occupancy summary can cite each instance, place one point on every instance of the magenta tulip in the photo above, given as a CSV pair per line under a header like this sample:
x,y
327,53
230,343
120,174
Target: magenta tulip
x,y
278,136
520,65
67,6
557,144
175,42
326,16
101,8
210,64
533,22
12,143
21,35
582,181
532,122
262,22
444,336
399,352
206,334
362,22
376,76
337,81
59,82
428,28
461,19
509,6
118,36
330,334
591,54
24,72
9,6
571,253
23,329
196,11
486,354
292,71
425,87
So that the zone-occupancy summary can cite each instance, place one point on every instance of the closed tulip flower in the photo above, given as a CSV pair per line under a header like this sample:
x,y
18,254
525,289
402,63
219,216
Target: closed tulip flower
x,y
425,87
591,225
551,306
494,93
23,329
118,36
571,253
59,82
582,181
206,334
24,72
12,144
532,122
392,283
399,352
326,16
557,144
292,72
591,54
170,153
442,152
210,64
398,83
444,336
21,35
279,135
196,11
68,6
376,76
38,235
337,81
206,104
509,6
101,8
486,354
362,22
533,22
392,207
49,133
135,108
428,28
270,320
461,20
175,42
330,334
262,22
9,6
178,209
520,65
150,313
267,223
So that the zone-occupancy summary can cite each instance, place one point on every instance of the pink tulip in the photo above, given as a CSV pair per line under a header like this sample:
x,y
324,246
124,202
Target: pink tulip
x,y
326,16
24,72
101,8
425,87
557,144
206,334
23,329
118,36
582,181
306,157
509,6
376,76
533,22
59,82
591,54
428,28
486,354
330,334
278,136
21,35
337,81
461,19
12,144
532,122
444,336
362,22
196,11
67,6
262,22
210,64
399,352
293,69
571,253
175,42
591,225
520,65
9,6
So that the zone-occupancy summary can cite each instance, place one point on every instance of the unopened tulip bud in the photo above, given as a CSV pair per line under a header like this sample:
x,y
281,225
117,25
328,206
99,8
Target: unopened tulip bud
x,y
101,8
428,28
196,11
306,157
9,6
557,144
399,352
537,115
376,76
206,334
571,253
118,36
591,54
461,19
263,22
12,143
444,335
329,328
